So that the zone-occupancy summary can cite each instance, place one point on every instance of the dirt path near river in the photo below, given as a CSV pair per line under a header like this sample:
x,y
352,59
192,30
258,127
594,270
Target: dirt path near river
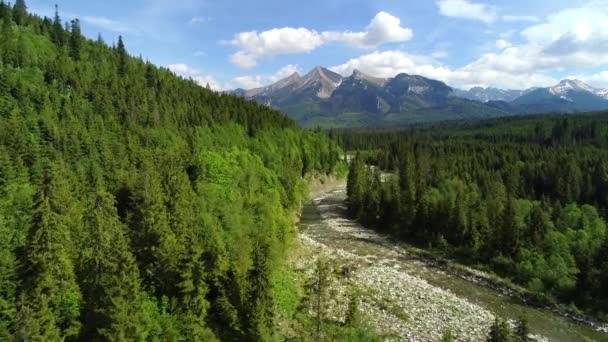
x,y
403,296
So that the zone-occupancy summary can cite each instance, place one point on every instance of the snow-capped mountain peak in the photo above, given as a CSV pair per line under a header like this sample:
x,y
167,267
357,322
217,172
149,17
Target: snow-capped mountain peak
x,y
326,79
357,74
602,93
568,85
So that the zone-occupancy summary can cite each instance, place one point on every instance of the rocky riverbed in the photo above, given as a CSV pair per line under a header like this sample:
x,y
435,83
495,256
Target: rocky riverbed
x,y
403,297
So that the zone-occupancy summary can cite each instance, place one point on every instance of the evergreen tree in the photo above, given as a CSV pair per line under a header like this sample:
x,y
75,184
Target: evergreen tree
x,y
50,297
122,57
499,332
20,12
75,40
356,186
112,302
154,244
522,331
407,186
57,34
260,301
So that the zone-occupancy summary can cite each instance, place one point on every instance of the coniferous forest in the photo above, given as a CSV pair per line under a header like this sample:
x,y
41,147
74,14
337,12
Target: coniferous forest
x,y
136,205
524,197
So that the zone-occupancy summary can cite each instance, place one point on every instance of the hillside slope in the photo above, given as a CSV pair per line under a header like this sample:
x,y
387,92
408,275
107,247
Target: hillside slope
x,y
136,205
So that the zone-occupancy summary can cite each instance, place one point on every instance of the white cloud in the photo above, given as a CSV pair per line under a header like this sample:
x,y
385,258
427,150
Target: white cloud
x,y
599,79
197,75
256,81
439,54
524,18
502,44
107,24
248,82
467,10
390,63
243,60
285,71
198,20
384,28
272,42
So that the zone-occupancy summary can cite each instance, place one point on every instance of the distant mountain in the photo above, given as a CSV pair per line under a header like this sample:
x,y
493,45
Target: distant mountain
x,y
569,96
489,94
325,98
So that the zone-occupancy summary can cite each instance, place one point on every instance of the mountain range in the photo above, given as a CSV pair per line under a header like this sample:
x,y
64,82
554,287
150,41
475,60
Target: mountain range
x,y
327,99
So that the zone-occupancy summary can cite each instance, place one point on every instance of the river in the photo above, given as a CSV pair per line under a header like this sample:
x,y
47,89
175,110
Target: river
x,y
432,299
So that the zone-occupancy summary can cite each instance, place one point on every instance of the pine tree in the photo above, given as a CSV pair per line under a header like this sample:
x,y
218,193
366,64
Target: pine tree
x,y
122,57
407,185
112,298
522,331
154,244
260,311
8,53
4,10
20,12
75,40
499,332
57,35
356,186
50,297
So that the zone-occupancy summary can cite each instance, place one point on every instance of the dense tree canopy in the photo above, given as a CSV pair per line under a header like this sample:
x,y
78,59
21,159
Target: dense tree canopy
x,y
526,196
134,204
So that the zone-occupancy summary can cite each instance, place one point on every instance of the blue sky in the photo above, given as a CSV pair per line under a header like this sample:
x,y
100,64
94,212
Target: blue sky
x,y
230,43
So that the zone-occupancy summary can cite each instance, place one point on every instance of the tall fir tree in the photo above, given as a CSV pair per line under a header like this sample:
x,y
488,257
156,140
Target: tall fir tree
x,y
20,12
75,40
122,57
112,299
57,33
50,297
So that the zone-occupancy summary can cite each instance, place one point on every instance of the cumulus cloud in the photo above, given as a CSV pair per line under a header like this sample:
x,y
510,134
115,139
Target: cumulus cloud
x,y
384,28
390,63
599,79
571,38
502,44
574,38
256,81
107,24
524,18
467,10
197,75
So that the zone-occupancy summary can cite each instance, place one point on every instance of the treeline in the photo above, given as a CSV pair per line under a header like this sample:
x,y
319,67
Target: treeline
x,y
534,210
136,205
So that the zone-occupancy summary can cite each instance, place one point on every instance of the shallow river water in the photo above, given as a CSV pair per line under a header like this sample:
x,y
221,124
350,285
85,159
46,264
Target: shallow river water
x,y
324,220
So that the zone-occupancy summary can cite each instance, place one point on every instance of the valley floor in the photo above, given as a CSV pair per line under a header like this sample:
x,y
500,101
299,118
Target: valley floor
x,y
402,296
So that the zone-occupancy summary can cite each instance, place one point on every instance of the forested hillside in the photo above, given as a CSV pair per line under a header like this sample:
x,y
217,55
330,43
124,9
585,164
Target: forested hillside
x,y
526,197
136,205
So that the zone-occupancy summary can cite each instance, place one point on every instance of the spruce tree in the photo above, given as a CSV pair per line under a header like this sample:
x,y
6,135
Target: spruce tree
x,y
522,331
260,311
75,40
57,34
356,186
112,298
154,244
50,297
4,10
122,57
20,12
499,332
